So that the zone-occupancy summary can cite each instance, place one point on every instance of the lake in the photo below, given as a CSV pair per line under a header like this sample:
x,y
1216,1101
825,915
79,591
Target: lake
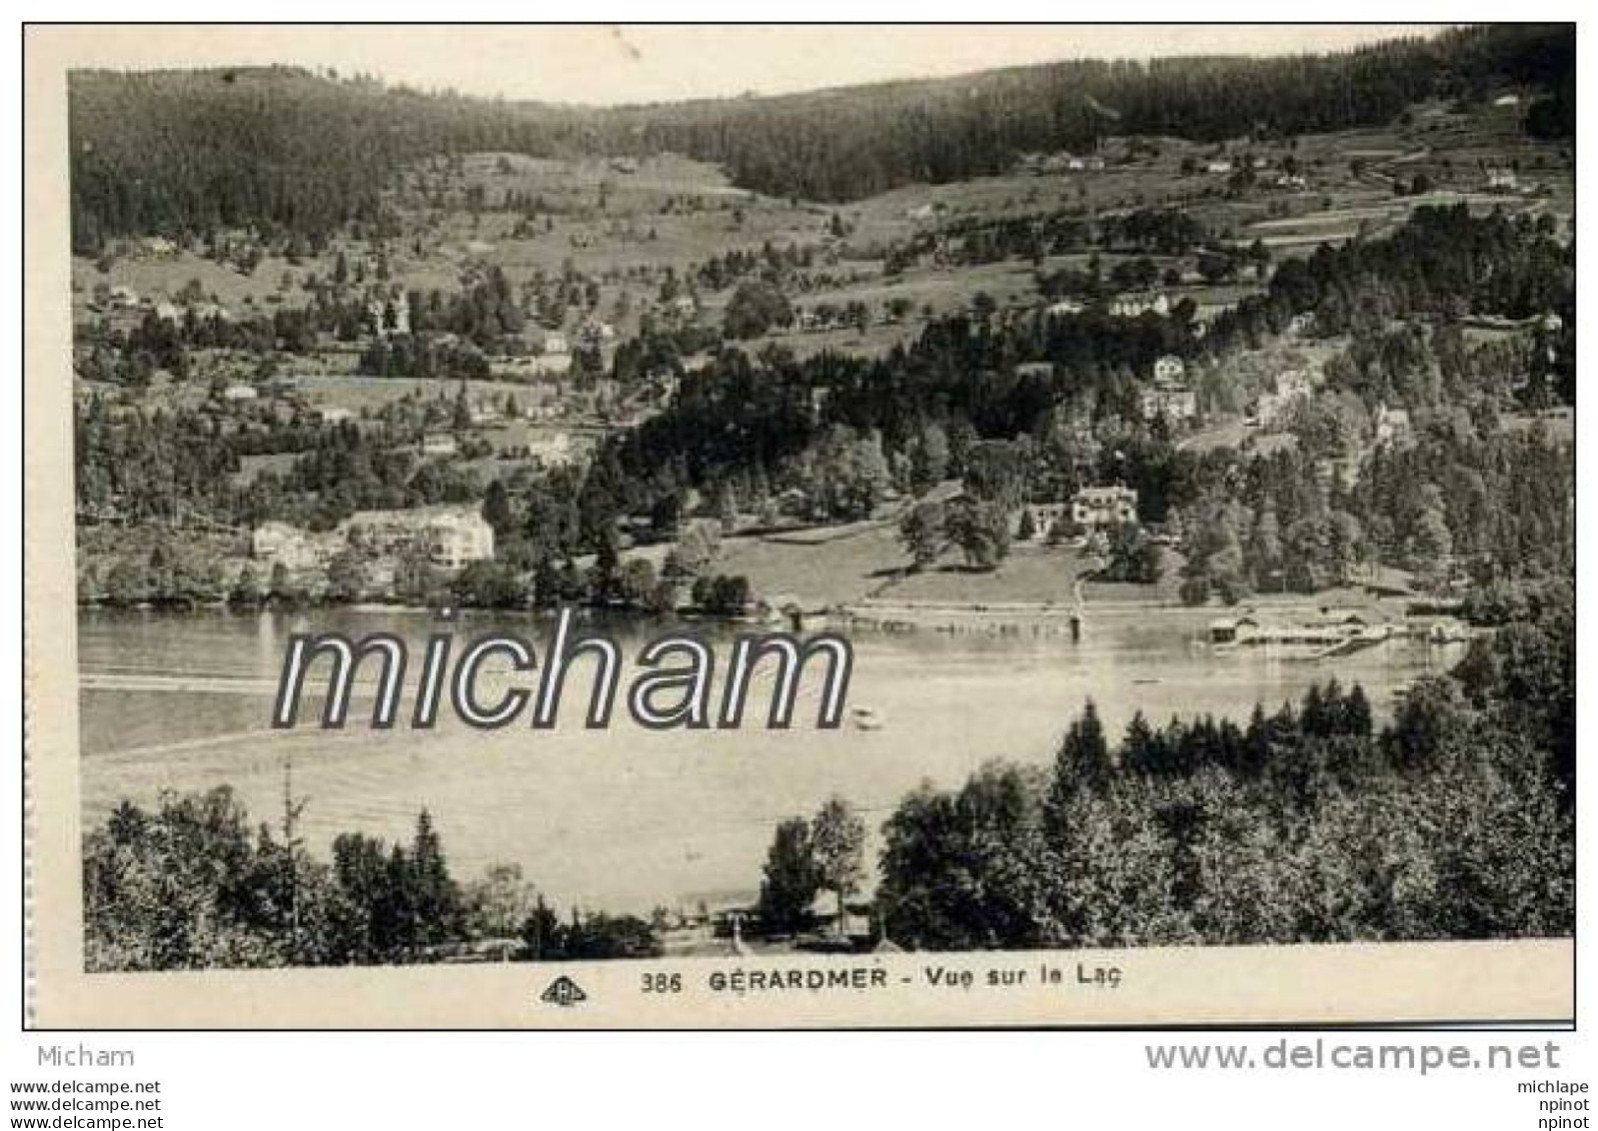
x,y
627,819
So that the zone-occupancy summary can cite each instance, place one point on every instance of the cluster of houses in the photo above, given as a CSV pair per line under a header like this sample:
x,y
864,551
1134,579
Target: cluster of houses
x,y
122,297
1339,629
1043,164
551,353
552,449
1223,166
536,405
447,538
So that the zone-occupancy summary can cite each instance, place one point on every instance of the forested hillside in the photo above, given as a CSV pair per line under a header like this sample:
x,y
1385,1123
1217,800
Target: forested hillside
x,y
838,145
285,149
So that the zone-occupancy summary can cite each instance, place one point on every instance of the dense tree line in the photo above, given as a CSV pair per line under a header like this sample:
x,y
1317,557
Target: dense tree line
x,y
981,239
1442,264
1464,500
1067,386
846,144
1307,825
190,884
286,151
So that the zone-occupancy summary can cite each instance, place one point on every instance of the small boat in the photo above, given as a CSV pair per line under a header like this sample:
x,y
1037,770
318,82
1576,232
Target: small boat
x,y
865,718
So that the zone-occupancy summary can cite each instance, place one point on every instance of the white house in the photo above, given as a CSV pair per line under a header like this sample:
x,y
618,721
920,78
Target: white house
x,y
1301,324
456,539
1099,507
1502,179
1169,396
389,317
1169,368
439,444
554,449
449,537
1170,399
158,247
1132,306
206,310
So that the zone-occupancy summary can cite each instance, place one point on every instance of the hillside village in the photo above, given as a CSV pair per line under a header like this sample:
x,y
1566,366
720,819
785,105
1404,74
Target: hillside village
x,y
506,336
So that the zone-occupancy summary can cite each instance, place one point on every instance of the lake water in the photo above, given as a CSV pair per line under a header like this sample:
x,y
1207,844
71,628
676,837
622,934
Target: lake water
x,y
627,819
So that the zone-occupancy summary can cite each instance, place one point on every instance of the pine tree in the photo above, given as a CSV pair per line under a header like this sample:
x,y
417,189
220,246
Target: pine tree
x,y
792,878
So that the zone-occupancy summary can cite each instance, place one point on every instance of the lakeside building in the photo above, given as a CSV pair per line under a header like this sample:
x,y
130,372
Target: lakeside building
x,y
1097,508
448,537
1329,628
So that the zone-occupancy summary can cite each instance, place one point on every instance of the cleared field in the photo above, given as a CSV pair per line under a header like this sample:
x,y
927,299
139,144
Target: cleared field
x,y
338,390
829,573
1031,573
872,564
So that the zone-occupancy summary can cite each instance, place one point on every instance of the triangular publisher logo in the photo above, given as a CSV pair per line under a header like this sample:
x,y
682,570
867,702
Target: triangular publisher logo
x,y
564,992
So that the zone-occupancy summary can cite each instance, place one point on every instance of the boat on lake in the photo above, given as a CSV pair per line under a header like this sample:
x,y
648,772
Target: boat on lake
x,y
866,718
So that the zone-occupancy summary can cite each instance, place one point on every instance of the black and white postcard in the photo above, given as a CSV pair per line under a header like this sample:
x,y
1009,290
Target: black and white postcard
x,y
517,538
